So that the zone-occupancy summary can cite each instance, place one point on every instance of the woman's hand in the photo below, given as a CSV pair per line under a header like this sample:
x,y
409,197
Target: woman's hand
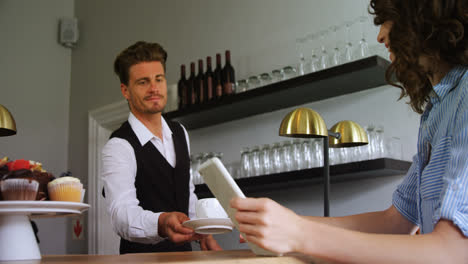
x,y
268,224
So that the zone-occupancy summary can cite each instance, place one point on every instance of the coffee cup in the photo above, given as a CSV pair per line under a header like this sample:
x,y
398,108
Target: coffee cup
x,y
210,208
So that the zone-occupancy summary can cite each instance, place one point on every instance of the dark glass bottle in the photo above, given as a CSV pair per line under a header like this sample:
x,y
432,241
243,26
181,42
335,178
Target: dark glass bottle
x,y
209,81
217,78
199,82
192,95
228,76
182,89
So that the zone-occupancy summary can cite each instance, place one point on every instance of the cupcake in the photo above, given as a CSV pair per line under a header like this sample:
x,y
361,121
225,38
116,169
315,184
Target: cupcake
x,y
43,178
67,189
19,185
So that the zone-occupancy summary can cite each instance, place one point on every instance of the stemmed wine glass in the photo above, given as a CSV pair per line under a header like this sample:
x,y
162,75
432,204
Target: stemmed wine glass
x,y
336,57
363,45
324,58
348,54
314,62
300,46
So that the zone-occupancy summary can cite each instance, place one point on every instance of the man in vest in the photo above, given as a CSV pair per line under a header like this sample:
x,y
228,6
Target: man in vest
x,y
146,164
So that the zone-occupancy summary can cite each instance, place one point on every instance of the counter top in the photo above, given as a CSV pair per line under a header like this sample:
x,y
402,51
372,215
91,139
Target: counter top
x,y
225,257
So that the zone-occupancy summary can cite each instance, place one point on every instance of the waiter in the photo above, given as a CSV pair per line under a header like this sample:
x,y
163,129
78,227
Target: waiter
x,y
146,164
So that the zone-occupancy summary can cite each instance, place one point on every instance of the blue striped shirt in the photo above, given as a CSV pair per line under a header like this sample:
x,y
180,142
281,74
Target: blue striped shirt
x,y
436,185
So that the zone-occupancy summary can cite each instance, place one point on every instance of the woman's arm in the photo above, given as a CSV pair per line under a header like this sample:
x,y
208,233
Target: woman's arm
x,y
276,228
389,221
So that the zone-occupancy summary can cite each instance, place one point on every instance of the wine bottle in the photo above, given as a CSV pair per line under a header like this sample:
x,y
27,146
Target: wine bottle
x,y
182,88
192,95
217,78
228,76
199,82
209,81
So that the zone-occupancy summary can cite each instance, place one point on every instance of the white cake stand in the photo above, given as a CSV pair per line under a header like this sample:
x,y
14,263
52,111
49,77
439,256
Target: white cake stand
x,y
17,239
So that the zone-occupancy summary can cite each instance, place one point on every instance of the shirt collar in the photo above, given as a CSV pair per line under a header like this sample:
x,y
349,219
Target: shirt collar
x,y
447,84
144,134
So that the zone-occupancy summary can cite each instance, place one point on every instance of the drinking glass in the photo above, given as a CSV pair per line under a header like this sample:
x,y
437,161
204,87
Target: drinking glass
x,y
219,155
317,148
324,58
275,157
198,162
371,147
255,161
336,56
254,82
242,86
277,75
379,141
363,45
348,54
288,72
245,169
307,155
300,46
333,156
286,155
265,79
297,159
315,60
265,159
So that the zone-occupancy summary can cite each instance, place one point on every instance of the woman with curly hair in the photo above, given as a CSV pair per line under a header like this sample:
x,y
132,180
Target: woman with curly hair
x,y
428,45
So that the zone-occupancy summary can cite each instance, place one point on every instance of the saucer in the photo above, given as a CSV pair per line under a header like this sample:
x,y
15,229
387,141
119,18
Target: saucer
x,y
210,226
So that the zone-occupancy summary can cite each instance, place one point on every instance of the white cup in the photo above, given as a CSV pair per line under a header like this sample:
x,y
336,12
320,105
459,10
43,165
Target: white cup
x,y
209,208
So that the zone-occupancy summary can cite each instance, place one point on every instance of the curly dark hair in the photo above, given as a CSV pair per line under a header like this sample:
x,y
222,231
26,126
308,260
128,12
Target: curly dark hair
x,y
139,52
435,29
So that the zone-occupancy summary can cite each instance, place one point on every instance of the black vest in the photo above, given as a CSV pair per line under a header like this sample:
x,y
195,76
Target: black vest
x,y
159,186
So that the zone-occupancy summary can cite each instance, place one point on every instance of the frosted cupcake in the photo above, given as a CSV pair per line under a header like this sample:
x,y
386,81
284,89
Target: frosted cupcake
x,y
66,189
19,189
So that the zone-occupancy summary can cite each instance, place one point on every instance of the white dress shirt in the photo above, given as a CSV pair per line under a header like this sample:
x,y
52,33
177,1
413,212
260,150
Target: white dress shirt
x,y
129,220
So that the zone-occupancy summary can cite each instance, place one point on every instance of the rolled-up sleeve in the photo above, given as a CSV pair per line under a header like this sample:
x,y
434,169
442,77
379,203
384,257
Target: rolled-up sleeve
x,y
454,200
404,197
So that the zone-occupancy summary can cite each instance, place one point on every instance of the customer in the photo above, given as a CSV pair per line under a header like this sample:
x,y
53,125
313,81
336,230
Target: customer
x,y
146,165
428,45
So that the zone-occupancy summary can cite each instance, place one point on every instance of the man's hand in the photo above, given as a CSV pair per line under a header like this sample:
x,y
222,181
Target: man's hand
x,y
170,226
209,243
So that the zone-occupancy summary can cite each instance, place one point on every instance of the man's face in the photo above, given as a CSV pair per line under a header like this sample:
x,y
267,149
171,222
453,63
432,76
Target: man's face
x,y
147,88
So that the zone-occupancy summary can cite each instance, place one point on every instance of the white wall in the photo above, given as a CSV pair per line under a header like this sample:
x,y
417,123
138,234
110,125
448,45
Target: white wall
x,y
36,72
260,35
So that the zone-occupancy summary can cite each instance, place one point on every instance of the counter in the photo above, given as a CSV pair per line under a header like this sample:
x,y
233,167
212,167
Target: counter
x,y
224,257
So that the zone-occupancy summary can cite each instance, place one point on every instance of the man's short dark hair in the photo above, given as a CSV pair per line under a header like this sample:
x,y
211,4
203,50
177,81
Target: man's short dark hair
x,y
139,52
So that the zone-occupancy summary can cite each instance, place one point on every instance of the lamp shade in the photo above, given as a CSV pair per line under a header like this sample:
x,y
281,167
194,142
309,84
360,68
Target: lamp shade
x,y
303,123
7,123
351,135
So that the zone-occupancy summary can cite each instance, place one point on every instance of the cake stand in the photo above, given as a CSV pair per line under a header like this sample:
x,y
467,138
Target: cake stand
x,y
17,239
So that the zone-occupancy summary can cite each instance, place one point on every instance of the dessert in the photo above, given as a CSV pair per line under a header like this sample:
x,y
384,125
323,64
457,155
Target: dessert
x,y
25,169
65,189
43,178
19,185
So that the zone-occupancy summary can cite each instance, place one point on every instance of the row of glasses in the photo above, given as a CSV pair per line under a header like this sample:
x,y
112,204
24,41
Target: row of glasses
x,y
321,50
263,79
198,159
308,153
340,52
280,157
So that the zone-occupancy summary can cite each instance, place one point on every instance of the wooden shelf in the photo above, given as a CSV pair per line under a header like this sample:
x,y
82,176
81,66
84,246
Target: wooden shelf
x,y
342,172
347,78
